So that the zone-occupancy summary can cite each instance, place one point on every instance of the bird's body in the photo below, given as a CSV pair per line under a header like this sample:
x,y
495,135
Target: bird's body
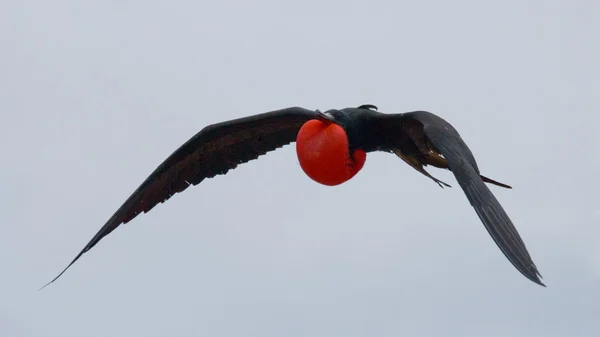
x,y
420,138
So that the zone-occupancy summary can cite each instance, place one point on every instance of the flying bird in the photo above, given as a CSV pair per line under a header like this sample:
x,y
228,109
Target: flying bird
x,y
331,147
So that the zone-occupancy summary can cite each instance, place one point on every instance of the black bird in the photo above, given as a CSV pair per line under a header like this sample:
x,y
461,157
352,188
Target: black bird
x,y
420,138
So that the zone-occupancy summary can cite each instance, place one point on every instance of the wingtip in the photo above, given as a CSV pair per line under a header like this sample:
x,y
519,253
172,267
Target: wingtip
x,y
536,277
64,270
539,282
47,284
56,278
540,279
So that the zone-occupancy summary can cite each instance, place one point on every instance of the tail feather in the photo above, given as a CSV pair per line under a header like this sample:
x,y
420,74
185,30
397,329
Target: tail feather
x,y
493,182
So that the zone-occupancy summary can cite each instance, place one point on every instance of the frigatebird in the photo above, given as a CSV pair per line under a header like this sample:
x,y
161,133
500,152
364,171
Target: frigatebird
x,y
331,147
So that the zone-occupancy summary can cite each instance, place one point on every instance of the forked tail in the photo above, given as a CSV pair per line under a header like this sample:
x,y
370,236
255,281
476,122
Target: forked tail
x,y
491,181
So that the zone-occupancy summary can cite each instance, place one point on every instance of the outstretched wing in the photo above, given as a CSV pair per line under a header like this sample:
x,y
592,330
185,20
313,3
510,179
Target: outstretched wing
x,y
214,150
462,164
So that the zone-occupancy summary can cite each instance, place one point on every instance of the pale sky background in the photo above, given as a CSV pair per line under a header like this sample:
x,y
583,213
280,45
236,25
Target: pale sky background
x,y
94,95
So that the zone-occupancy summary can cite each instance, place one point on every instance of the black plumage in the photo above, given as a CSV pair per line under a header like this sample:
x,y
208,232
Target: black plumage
x,y
420,138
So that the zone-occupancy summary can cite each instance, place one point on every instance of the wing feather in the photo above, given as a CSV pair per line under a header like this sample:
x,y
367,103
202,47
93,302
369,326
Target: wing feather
x,y
462,164
214,150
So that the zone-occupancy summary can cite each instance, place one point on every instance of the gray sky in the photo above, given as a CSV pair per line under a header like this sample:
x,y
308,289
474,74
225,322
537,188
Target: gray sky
x,y
95,96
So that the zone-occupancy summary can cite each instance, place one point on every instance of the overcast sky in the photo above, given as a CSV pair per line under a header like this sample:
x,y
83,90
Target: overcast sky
x,y
94,95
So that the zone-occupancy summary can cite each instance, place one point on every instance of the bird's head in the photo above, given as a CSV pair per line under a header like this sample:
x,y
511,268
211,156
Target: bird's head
x,y
331,115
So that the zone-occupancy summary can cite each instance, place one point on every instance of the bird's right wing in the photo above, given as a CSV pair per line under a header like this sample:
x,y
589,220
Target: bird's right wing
x,y
462,164
214,150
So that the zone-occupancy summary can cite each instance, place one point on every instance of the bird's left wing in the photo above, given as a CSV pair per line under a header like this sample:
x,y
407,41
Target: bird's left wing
x,y
461,162
214,150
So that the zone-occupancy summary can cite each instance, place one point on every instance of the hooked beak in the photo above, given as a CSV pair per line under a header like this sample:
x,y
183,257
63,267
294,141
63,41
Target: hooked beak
x,y
325,116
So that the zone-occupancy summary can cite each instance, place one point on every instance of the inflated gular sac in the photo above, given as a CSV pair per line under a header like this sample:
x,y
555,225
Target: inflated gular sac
x,y
322,149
